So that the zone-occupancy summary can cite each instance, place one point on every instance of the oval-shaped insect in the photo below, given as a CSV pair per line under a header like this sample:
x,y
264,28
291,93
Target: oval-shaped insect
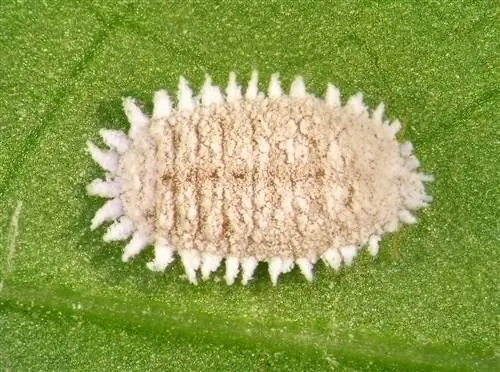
x,y
248,177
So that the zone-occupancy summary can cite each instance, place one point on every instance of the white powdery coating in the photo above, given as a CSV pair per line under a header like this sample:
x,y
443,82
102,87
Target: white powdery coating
x,y
348,253
108,160
137,119
115,139
138,242
119,230
210,94
356,105
164,255
104,189
185,96
373,244
306,267
333,258
332,96
298,88
191,261
246,179
233,90
252,89
278,266
210,263
378,114
274,90
406,149
248,267
232,269
111,210
162,105
395,127
406,217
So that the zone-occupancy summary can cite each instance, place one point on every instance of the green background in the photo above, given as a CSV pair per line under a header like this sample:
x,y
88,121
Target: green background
x,y
429,301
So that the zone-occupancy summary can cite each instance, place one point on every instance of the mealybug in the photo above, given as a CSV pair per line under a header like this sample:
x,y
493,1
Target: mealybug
x,y
248,177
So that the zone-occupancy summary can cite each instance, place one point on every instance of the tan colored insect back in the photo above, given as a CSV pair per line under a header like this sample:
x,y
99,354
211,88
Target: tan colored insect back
x,y
284,179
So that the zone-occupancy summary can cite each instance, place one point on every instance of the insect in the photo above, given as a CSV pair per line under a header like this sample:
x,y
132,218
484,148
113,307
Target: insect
x,y
247,177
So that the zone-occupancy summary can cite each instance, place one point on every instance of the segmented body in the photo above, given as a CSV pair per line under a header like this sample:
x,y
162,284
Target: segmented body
x,y
284,179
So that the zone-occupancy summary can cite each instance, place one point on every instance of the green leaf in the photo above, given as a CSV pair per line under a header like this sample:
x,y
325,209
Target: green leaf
x,y
429,301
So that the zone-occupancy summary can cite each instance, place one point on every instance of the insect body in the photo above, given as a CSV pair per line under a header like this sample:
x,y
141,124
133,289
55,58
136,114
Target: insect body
x,y
245,178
